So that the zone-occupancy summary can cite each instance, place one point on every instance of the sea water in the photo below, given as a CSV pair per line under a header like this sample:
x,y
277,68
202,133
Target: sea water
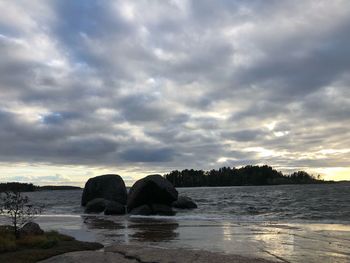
x,y
291,223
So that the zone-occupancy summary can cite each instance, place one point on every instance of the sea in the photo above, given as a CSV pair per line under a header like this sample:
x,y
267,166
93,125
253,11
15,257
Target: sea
x,y
284,223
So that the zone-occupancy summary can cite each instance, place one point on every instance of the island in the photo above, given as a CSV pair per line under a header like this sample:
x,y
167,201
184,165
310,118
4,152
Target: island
x,y
247,175
29,187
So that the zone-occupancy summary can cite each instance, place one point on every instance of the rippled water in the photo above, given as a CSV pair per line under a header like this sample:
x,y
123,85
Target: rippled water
x,y
328,202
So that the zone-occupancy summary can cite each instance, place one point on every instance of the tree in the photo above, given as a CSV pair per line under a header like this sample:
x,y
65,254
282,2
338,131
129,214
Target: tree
x,y
248,175
18,209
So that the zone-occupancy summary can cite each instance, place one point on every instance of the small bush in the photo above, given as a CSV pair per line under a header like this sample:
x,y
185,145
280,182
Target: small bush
x,y
18,209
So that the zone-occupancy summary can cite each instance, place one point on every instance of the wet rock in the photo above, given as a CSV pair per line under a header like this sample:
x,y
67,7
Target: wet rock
x,y
31,228
114,208
153,189
184,202
97,205
110,187
160,209
143,210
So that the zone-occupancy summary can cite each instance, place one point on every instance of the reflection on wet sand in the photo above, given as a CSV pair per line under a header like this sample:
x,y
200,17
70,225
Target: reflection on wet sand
x,y
153,230
302,242
125,230
94,222
274,241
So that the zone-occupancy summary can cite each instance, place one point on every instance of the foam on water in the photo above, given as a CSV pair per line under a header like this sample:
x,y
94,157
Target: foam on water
x,y
189,217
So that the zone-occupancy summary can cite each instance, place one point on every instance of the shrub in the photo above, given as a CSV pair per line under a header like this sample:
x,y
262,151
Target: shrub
x,y
18,209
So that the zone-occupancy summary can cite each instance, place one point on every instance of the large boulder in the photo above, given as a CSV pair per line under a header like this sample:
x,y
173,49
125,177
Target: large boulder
x,y
153,209
153,189
30,229
110,187
114,208
163,210
184,202
143,210
97,205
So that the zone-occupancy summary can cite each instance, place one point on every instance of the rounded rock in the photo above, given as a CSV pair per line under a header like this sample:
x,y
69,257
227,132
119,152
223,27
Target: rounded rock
x,y
143,210
110,187
153,189
96,205
31,228
184,202
114,208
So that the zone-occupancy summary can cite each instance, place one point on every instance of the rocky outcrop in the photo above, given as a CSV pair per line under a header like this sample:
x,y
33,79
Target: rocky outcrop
x,y
184,202
99,205
96,205
143,210
160,209
110,187
114,208
31,228
152,195
153,209
153,189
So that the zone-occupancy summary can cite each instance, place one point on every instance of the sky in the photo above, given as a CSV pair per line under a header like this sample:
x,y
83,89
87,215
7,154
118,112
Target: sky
x,y
141,87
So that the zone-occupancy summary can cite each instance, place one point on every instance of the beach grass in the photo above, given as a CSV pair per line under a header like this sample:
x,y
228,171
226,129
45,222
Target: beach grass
x,y
29,249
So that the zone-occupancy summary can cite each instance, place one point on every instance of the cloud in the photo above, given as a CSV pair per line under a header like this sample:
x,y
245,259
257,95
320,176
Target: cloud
x,y
41,180
155,86
147,155
245,135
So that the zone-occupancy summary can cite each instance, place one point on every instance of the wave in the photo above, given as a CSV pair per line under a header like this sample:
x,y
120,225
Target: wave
x,y
184,217
59,215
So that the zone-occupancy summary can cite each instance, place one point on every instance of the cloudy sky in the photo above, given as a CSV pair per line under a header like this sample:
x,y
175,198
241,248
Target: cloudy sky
x,y
140,87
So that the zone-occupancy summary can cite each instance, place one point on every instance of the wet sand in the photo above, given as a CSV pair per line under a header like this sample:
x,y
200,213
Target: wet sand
x,y
279,242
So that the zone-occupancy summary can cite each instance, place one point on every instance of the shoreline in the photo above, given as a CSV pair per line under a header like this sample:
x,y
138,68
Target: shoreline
x,y
270,241
64,248
35,245
306,242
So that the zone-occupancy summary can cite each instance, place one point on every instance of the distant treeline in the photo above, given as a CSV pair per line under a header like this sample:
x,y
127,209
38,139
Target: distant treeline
x,y
248,175
28,187
57,187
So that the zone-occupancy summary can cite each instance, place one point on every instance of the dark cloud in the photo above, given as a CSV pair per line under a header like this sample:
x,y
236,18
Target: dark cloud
x,y
151,155
23,141
142,108
246,135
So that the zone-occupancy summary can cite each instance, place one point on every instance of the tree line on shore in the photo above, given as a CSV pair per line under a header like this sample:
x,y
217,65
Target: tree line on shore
x,y
225,176
248,175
